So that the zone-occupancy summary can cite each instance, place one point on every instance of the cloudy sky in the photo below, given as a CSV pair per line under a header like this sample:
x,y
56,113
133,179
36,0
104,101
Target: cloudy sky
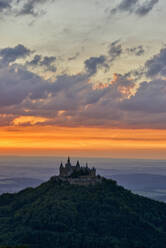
x,y
83,77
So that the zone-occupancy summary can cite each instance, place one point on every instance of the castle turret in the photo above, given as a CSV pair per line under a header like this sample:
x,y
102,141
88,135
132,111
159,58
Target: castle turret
x,y
68,164
61,169
77,166
93,172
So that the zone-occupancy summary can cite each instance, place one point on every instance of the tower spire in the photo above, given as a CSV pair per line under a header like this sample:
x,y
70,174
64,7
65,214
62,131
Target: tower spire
x,y
68,162
78,164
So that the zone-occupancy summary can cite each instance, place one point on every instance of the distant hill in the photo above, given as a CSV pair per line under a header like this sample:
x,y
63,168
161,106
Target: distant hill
x,y
60,215
12,185
141,181
153,186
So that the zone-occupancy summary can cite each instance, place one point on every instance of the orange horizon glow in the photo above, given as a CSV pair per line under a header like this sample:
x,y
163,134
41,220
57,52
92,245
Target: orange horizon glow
x,y
86,142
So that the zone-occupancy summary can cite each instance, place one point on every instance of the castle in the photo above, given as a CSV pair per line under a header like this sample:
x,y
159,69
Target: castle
x,y
78,175
76,171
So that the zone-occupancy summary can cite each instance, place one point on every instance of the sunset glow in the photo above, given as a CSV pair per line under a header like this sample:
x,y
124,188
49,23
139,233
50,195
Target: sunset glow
x,y
83,141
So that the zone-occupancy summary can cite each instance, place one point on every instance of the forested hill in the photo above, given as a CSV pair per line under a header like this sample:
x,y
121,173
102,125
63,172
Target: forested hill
x,y
60,215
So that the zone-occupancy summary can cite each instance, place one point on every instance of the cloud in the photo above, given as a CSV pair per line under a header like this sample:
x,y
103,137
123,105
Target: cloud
x,y
156,66
145,8
23,7
149,98
69,100
115,50
18,84
125,5
46,62
74,100
137,51
29,7
94,63
135,7
11,54
35,61
5,5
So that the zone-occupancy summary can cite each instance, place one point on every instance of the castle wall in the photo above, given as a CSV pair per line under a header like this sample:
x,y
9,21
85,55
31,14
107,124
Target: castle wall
x,y
85,181
64,172
82,181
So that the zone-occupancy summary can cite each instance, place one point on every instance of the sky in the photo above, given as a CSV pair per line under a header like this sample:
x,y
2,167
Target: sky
x,y
83,78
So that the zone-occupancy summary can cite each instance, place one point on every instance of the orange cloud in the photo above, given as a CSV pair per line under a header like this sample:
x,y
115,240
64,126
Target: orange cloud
x,y
32,120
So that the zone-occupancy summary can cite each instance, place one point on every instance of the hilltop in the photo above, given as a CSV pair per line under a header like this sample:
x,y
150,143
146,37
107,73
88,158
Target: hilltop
x,y
59,214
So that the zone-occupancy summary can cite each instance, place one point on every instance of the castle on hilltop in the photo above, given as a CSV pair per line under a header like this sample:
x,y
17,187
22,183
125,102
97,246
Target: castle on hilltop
x,y
78,175
76,171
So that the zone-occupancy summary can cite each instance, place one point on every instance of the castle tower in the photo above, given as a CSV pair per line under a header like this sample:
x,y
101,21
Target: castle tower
x,y
93,172
61,169
78,164
68,162
78,167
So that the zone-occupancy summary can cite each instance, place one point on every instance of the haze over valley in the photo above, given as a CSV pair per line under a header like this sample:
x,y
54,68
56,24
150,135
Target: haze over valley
x,y
145,177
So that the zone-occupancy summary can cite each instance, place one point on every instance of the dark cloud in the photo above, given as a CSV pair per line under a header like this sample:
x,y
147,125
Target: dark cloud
x,y
81,103
46,62
149,98
11,54
16,85
145,8
94,63
156,65
73,100
135,7
23,93
115,50
5,5
29,7
125,5
23,7
138,51
35,61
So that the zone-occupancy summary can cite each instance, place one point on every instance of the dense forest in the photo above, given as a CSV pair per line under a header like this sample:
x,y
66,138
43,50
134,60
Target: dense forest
x,y
60,215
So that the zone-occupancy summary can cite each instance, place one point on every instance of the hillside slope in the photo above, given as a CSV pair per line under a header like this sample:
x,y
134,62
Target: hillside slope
x,y
63,215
